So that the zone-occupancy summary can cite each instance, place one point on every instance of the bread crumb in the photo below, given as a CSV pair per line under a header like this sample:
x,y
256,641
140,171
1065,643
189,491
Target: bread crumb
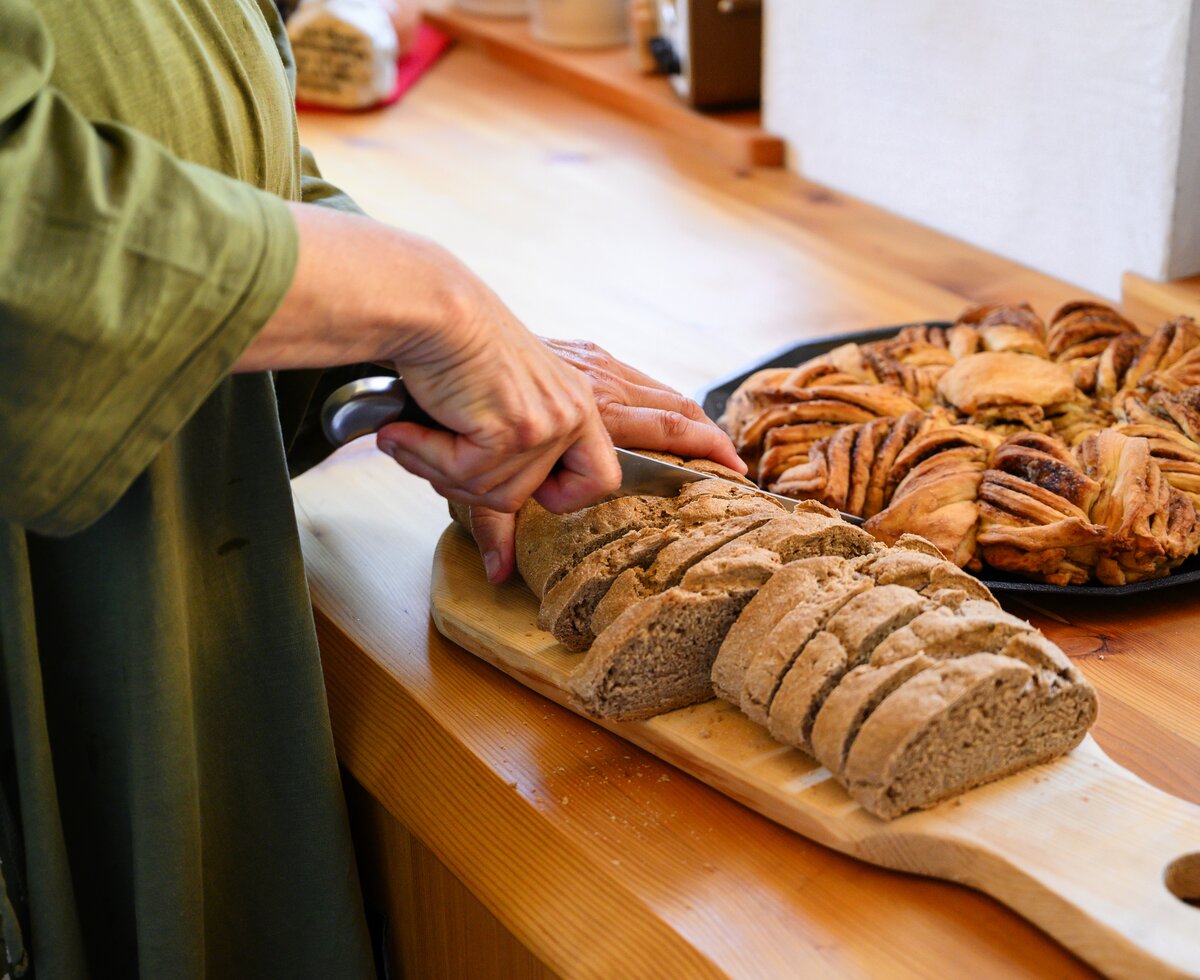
x,y
664,778
564,801
705,733
616,862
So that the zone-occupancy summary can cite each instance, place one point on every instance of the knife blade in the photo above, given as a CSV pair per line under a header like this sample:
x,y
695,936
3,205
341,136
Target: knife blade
x,y
363,406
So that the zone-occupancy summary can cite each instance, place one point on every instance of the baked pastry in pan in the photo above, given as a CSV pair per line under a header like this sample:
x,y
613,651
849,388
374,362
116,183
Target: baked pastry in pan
x,y
1065,453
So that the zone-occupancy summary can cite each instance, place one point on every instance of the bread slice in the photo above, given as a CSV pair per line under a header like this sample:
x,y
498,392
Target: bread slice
x,y
566,610
658,654
669,566
849,638
750,568
805,533
714,500
548,544
974,627
777,597
851,702
922,571
961,723
837,583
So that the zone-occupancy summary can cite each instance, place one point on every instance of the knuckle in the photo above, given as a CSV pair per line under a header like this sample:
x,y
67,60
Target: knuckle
x,y
608,403
530,431
673,424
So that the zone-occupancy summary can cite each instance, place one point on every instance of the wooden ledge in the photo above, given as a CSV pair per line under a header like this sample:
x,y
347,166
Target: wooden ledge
x,y
607,77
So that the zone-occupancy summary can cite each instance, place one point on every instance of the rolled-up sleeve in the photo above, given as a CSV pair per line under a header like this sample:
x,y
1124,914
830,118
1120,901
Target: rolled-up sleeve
x,y
130,282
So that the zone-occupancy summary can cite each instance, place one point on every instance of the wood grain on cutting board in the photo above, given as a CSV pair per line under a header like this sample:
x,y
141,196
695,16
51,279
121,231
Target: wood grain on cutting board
x,y
1079,846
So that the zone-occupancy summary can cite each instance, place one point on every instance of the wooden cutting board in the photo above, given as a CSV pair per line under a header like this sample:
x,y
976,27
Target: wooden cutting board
x,y
1081,847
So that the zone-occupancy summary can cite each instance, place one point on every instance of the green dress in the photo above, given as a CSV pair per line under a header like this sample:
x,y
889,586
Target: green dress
x,y
169,797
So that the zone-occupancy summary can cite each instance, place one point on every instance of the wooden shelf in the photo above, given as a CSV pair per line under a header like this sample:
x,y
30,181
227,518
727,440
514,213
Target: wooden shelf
x,y
607,76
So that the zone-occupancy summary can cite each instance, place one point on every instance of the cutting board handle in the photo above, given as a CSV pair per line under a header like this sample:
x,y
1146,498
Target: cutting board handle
x,y
1098,858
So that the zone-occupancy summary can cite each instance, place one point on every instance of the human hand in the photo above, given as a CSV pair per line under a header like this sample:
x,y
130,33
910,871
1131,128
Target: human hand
x,y
639,413
514,411
642,413
521,421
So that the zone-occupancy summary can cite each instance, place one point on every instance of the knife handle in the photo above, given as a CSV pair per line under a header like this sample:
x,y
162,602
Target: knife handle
x,y
366,405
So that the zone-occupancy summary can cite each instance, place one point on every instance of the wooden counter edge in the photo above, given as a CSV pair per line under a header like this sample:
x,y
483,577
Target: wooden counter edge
x,y
529,877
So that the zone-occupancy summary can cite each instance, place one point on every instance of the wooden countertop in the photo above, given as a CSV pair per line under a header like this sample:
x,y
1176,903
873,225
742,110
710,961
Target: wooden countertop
x,y
602,860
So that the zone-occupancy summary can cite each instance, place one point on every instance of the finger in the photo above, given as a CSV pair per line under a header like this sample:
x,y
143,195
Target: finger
x,y
507,497
454,459
637,427
495,533
663,398
587,471
593,359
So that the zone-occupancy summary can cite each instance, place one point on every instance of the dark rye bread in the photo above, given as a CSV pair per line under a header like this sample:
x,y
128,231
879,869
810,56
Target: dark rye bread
x,y
669,566
925,572
743,569
974,627
566,609
548,544
961,723
776,598
658,654
837,582
849,638
714,500
849,704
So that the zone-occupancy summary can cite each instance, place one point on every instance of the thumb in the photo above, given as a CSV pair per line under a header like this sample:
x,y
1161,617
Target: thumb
x,y
494,533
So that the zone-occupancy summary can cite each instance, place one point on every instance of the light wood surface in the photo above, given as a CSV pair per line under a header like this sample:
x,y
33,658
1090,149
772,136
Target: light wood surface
x,y
607,76
435,928
1154,302
1074,877
599,858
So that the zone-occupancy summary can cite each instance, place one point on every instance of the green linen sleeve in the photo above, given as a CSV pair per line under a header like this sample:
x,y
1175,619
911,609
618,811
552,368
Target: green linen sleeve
x,y
315,189
130,281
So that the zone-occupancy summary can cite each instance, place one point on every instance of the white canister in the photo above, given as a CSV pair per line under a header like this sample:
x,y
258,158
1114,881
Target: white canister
x,y
495,8
581,23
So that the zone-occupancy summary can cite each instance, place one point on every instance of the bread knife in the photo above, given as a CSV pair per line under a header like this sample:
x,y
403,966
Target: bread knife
x,y
364,406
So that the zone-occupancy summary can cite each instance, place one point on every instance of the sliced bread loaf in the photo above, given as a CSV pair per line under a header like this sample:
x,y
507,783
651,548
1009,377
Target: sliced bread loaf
x,y
958,724
658,654
849,638
838,583
548,544
777,597
669,566
566,609
975,626
922,571
851,702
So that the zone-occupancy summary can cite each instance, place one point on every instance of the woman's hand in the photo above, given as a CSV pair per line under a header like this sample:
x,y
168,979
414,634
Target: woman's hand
x,y
639,413
526,417
522,422
515,411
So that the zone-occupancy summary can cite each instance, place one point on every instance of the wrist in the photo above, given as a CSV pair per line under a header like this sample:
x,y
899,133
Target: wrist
x,y
441,316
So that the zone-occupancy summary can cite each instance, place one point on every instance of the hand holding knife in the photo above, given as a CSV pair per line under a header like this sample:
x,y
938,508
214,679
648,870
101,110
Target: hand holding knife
x,y
362,407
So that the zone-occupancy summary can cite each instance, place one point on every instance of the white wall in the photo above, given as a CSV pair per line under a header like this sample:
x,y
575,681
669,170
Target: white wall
x,y
1050,131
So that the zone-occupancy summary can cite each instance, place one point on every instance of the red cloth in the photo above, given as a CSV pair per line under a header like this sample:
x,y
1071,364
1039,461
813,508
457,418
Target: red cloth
x,y
427,48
